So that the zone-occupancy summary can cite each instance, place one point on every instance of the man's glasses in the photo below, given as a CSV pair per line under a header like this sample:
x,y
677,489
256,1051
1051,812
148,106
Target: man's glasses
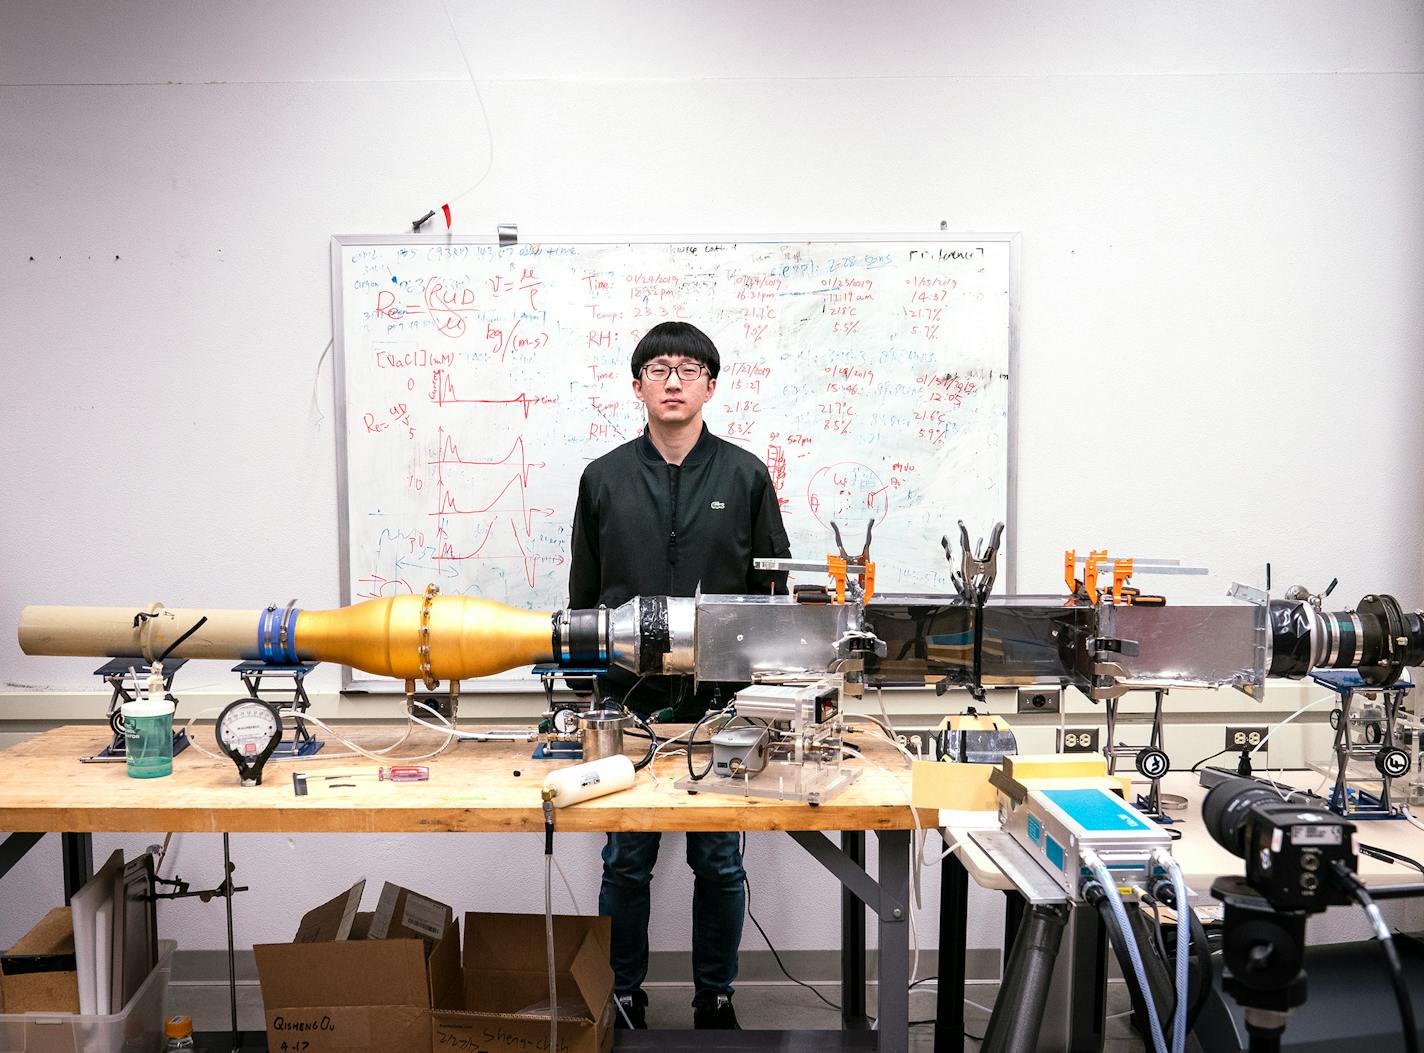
x,y
687,372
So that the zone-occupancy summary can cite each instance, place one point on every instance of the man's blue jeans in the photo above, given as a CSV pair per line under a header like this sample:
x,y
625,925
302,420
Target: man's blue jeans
x,y
719,903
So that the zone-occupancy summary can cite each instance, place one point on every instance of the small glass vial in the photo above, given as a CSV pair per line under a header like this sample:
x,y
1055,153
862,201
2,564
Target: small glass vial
x,y
179,1033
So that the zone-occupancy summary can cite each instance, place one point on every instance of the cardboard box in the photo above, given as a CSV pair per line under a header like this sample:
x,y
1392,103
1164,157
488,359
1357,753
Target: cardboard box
x,y
335,988
37,975
506,989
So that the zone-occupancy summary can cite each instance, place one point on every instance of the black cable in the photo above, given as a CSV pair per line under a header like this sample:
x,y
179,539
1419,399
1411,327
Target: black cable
x,y
1388,856
1218,753
652,739
1356,888
196,626
1202,950
691,739
1094,893
746,881
1165,893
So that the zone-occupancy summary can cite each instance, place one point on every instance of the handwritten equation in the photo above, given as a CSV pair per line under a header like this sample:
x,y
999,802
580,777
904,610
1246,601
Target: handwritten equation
x,y
872,378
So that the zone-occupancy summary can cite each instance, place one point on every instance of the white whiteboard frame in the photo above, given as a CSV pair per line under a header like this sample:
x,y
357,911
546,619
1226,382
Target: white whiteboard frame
x,y
350,681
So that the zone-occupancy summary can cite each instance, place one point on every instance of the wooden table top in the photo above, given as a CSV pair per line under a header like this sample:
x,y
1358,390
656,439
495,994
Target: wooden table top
x,y
1203,860
473,786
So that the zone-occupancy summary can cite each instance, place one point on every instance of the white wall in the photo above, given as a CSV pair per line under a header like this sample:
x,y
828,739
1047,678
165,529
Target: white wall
x,y
1222,209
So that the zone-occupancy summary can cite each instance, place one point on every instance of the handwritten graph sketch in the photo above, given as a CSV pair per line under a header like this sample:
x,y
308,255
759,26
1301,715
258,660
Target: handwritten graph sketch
x,y
871,376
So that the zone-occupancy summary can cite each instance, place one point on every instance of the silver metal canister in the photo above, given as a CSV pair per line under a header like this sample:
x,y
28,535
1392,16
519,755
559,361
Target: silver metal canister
x,y
602,732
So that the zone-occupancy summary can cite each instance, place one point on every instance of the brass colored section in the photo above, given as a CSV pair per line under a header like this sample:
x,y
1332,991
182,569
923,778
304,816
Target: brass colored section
x,y
469,637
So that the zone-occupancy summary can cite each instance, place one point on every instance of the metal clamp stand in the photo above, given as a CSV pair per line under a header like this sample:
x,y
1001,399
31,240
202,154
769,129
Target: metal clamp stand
x,y
225,892
974,581
302,743
118,673
1151,760
1389,760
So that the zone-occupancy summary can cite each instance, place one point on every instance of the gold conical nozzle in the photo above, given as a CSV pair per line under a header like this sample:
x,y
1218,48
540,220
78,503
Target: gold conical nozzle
x,y
463,637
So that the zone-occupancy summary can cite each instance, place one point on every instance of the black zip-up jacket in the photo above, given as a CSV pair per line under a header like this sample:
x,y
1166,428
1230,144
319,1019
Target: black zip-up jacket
x,y
644,527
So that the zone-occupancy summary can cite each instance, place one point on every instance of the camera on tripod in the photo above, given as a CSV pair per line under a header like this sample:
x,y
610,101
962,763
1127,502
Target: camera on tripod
x,y
1291,848
1300,859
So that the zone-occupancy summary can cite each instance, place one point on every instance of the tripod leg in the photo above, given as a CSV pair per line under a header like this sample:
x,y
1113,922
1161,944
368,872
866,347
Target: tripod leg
x,y
1018,1011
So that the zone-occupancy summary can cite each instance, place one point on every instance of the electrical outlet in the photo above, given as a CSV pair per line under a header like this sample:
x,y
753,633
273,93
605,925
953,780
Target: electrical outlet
x,y
919,741
1244,738
1078,740
442,704
1039,699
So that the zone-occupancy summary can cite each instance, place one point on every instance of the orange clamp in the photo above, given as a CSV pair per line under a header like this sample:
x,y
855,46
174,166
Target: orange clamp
x,y
1122,571
1090,572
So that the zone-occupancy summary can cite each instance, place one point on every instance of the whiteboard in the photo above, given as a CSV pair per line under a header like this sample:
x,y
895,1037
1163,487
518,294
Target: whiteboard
x,y
476,380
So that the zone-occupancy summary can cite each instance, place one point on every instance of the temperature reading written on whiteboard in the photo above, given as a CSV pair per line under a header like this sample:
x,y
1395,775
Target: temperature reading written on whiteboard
x,y
871,376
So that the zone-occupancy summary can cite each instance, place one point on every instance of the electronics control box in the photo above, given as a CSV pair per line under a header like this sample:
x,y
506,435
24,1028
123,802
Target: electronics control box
x,y
1056,825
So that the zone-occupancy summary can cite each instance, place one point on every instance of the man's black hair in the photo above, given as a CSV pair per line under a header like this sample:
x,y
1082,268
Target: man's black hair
x,y
676,339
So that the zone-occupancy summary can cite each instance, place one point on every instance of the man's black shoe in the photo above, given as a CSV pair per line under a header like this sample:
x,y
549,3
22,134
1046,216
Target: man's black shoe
x,y
634,1011
712,1011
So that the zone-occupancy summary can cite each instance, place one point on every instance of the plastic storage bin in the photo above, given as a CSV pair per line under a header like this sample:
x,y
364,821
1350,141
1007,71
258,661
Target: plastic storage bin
x,y
138,1028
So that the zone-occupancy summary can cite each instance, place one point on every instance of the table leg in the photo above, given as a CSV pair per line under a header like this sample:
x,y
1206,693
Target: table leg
x,y
893,1009
14,848
77,855
953,940
1087,1023
853,1015
1013,917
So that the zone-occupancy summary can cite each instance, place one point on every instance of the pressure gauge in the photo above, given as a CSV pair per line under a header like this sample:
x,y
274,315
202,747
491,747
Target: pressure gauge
x,y
248,731
565,721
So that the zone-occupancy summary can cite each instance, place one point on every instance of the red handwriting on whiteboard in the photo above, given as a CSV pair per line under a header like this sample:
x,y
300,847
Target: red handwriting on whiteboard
x,y
847,492
442,392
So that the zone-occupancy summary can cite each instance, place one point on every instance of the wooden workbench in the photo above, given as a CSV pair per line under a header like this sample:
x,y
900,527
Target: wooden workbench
x,y
473,786
486,787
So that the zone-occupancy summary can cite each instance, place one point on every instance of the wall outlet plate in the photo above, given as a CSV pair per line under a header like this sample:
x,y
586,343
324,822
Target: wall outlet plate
x,y
1246,737
1078,740
1040,699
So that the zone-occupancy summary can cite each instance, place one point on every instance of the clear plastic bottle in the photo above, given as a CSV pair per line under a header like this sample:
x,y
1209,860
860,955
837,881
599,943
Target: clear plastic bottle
x,y
179,1033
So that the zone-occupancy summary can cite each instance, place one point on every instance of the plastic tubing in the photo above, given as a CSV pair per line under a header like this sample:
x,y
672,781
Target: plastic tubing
x,y
1184,929
1119,913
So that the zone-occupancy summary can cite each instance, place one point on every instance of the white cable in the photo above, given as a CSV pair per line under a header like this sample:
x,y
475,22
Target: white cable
x,y
1100,872
568,888
1409,816
1184,930
888,732
489,132
549,950
915,944
356,750
1267,736
919,842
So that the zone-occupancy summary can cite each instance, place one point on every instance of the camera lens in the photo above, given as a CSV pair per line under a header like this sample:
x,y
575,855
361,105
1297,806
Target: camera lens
x,y
1226,808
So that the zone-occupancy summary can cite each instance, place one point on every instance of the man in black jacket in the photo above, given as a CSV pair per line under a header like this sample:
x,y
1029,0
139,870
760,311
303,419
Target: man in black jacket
x,y
673,509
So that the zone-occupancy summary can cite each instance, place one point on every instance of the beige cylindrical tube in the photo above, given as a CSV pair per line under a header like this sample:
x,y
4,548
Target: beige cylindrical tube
x,y
120,632
409,637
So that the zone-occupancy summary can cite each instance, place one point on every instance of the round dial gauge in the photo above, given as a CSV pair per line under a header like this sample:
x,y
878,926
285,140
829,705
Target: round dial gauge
x,y
565,721
248,731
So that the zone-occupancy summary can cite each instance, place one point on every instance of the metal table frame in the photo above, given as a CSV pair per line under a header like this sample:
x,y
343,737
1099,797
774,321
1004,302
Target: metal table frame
x,y
888,897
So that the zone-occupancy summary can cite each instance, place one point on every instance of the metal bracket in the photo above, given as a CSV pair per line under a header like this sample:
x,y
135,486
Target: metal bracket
x,y
850,874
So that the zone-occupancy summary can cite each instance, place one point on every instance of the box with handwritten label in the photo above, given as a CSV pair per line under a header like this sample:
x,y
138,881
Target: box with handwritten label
x,y
353,981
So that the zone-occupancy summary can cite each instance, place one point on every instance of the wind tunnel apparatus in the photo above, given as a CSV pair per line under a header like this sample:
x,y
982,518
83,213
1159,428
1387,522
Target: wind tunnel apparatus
x,y
927,639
